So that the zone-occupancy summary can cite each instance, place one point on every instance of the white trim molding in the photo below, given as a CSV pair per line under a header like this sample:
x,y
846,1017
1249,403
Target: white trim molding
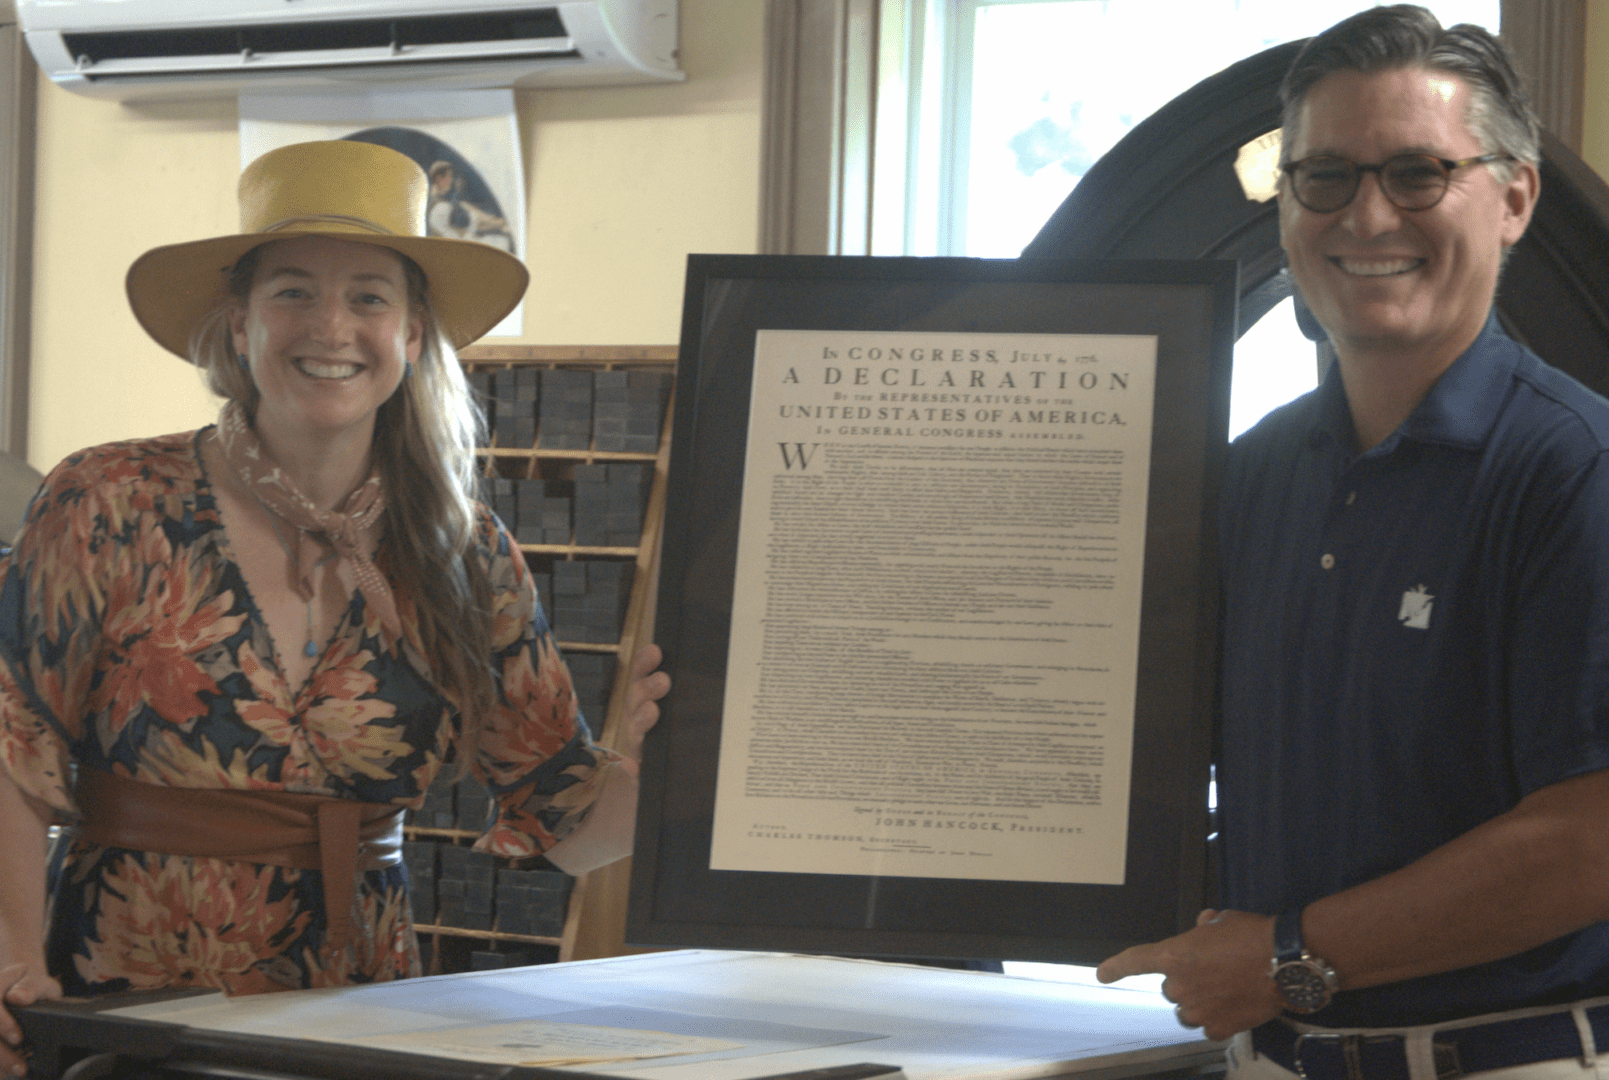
x,y
818,109
1547,39
17,120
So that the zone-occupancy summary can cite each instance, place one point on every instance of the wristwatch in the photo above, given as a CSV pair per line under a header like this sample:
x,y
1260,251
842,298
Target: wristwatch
x,y
1304,981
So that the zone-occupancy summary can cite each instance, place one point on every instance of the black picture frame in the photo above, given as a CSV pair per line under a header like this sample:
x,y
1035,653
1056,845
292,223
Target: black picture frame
x,y
1190,306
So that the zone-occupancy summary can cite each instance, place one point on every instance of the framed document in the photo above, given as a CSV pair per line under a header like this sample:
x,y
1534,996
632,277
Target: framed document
x,y
939,604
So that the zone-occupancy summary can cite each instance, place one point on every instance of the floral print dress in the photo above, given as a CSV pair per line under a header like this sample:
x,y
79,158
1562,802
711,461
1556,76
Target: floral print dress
x,y
130,642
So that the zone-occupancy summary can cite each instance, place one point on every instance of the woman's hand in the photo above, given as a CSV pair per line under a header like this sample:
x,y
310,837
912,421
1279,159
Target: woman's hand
x,y
20,984
648,685
606,834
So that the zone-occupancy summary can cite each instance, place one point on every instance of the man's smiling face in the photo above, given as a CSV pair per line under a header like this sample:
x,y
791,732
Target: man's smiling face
x,y
1380,278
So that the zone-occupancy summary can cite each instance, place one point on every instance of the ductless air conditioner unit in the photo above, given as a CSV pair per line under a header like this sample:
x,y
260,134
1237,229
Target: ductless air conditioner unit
x,y
154,49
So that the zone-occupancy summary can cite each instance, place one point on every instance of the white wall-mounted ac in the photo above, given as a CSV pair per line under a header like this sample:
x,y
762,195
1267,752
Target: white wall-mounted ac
x,y
135,50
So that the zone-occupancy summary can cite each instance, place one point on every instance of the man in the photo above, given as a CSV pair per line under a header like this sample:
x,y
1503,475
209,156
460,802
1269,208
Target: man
x,y
1415,728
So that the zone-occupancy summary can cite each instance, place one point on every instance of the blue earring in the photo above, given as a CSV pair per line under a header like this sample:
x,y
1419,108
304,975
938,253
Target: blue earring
x,y
243,360
407,368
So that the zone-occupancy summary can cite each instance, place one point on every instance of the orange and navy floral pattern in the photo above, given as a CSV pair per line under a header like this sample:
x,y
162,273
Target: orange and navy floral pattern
x,y
130,642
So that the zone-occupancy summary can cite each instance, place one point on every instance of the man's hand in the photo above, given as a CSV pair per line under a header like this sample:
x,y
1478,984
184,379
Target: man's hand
x,y
1216,974
19,985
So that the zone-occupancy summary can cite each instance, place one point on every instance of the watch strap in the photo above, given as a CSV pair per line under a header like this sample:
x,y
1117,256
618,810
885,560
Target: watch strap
x,y
1288,936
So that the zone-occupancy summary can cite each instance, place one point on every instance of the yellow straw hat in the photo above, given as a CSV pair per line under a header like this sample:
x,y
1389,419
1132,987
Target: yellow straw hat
x,y
347,190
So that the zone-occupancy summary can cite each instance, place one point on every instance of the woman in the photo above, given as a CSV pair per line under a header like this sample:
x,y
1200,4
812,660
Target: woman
x,y
258,642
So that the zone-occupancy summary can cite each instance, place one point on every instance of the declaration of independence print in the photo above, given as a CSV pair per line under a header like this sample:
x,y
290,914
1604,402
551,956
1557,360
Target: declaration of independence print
x,y
935,637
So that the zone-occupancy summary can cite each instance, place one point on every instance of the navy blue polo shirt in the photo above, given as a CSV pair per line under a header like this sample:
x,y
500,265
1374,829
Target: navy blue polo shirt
x,y
1415,638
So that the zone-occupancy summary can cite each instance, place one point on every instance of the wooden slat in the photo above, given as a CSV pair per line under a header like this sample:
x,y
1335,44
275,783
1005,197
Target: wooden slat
x,y
598,905
486,935
568,354
586,457
573,549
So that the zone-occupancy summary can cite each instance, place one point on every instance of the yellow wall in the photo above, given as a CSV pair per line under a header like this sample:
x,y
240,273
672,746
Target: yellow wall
x,y
1595,115
622,184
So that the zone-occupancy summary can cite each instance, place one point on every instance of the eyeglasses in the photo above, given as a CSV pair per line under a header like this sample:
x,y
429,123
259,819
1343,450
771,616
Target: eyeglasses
x,y
1411,181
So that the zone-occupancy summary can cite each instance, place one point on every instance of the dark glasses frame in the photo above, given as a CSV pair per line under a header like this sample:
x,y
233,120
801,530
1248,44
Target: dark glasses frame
x,y
1444,167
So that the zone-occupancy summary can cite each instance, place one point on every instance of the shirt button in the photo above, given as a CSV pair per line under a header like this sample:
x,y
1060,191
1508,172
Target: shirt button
x,y
1351,497
1327,561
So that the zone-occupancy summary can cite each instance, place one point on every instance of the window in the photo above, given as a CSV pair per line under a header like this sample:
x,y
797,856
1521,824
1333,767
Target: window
x,y
1011,102
1033,92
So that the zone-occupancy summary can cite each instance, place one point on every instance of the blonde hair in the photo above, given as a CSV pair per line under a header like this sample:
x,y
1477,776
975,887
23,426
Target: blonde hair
x,y
424,448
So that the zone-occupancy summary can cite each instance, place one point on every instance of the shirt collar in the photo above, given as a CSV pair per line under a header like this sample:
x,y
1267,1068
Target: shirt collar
x,y
1459,410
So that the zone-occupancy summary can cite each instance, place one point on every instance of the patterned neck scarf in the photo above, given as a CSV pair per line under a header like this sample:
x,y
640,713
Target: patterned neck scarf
x,y
341,529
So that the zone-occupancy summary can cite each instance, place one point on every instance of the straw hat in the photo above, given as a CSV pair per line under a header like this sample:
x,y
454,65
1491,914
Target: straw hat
x,y
347,190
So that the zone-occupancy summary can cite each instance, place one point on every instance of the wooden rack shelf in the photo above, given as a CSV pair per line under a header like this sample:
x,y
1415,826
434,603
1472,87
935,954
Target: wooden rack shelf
x,y
586,457
595,923
574,549
488,935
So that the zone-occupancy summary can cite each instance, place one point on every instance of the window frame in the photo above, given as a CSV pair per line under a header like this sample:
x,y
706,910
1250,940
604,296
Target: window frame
x,y
17,124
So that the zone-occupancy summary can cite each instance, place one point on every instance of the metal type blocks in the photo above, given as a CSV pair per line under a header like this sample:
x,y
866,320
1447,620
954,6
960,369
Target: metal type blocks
x,y
569,578
544,595
465,888
609,503
532,901
629,484
516,393
437,811
565,410
488,960
573,409
482,391
474,805
500,495
593,676
449,901
541,513
628,408
592,505
590,598
460,887
419,857
528,496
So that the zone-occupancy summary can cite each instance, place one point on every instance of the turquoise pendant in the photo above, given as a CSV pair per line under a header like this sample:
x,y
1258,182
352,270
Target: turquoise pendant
x,y
310,650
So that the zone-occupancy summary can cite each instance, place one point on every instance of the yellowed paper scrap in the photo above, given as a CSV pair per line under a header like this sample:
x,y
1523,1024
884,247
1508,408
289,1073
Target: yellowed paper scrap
x,y
934,645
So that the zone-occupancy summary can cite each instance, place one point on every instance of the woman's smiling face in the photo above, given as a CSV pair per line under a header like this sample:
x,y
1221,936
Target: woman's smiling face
x,y
328,333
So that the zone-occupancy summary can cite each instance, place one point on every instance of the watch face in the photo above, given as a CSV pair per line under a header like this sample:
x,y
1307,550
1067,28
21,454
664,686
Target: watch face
x,y
1303,985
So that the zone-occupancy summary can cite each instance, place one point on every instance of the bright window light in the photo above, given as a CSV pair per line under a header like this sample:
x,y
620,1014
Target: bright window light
x,y
1051,85
1054,84
1273,364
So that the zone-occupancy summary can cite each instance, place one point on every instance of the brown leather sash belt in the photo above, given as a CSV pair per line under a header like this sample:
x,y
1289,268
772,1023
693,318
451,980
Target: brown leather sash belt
x,y
338,837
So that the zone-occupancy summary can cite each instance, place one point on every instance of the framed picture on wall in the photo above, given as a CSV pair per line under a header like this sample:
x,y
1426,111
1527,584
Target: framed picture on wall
x,y
466,142
939,607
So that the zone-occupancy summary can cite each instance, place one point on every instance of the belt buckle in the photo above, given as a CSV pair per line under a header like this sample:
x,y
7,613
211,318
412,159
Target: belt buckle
x,y
1351,1050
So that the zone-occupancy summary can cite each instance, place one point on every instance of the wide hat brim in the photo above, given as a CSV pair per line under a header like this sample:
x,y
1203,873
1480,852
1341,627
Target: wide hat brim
x,y
471,286
342,190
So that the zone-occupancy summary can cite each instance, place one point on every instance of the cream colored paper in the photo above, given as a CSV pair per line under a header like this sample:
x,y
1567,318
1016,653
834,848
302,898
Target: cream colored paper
x,y
538,1043
935,635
